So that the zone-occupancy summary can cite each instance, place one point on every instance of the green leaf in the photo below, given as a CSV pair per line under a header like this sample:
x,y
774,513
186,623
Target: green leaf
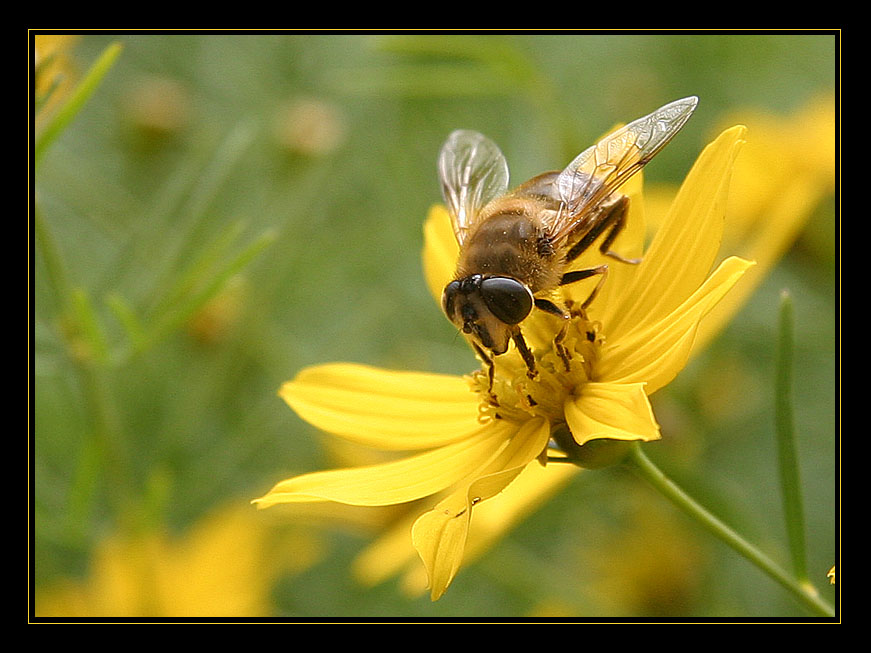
x,y
785,430
76,101
190,303
128,319
87,327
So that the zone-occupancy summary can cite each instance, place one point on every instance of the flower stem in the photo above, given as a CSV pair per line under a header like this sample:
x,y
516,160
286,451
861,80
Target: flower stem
x,y
806,594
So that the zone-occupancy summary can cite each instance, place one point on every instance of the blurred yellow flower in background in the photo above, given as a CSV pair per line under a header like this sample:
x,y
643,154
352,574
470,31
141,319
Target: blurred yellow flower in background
x,y
635,338
224,566
55,72
651,565
781,176
638,558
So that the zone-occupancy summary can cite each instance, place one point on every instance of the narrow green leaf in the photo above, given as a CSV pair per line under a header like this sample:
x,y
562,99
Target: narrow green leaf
x,y
76,101
191,304
190,223
128,319
785,430
88,330
80,501
198,271
56,274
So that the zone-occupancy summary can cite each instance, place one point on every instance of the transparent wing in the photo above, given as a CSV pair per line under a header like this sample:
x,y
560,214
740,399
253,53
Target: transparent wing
x,y
473,171
599,170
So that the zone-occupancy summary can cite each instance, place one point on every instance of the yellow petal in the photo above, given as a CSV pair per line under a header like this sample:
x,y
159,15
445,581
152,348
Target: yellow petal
x,y
440,251
655,352
392,553
382,408
397,481
619,411
440,538
532,488
784,218
684,248
529,441
527,444
780,178
440,534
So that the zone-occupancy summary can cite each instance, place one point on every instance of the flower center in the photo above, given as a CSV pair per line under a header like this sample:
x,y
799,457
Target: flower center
x,y
565,354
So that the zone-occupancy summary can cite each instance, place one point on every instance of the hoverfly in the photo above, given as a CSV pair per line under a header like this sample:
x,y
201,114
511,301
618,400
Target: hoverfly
x,y
517,247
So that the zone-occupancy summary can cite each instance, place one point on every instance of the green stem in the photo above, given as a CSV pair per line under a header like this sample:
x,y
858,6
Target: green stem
x,y
104,441
106,434
805,593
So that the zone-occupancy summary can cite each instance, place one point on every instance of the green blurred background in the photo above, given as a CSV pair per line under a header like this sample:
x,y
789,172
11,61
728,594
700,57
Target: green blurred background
x,y
229,209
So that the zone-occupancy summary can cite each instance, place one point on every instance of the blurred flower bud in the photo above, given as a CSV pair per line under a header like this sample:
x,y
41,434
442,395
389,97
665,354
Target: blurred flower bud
x,y
309,126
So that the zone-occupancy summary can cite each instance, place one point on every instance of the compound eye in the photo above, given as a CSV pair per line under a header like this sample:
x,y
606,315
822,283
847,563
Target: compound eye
x,y
448,297
508,299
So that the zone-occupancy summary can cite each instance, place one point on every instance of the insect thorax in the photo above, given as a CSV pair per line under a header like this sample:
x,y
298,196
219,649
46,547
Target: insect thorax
x,y
511,243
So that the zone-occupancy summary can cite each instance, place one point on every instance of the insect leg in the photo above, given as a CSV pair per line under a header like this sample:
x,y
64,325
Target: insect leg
x,y
549,307
577,275
612,216
617,214
527,356
491,369
561,349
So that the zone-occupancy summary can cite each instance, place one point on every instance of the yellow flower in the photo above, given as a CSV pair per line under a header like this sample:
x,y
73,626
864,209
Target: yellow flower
x,y
55,73
779,178
468,448
223,567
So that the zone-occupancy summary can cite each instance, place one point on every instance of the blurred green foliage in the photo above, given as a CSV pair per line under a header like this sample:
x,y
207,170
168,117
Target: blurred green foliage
x,y
209,250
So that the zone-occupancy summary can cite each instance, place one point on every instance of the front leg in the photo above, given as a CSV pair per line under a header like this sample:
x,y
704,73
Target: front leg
x,y
491,370
549,307
525,353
